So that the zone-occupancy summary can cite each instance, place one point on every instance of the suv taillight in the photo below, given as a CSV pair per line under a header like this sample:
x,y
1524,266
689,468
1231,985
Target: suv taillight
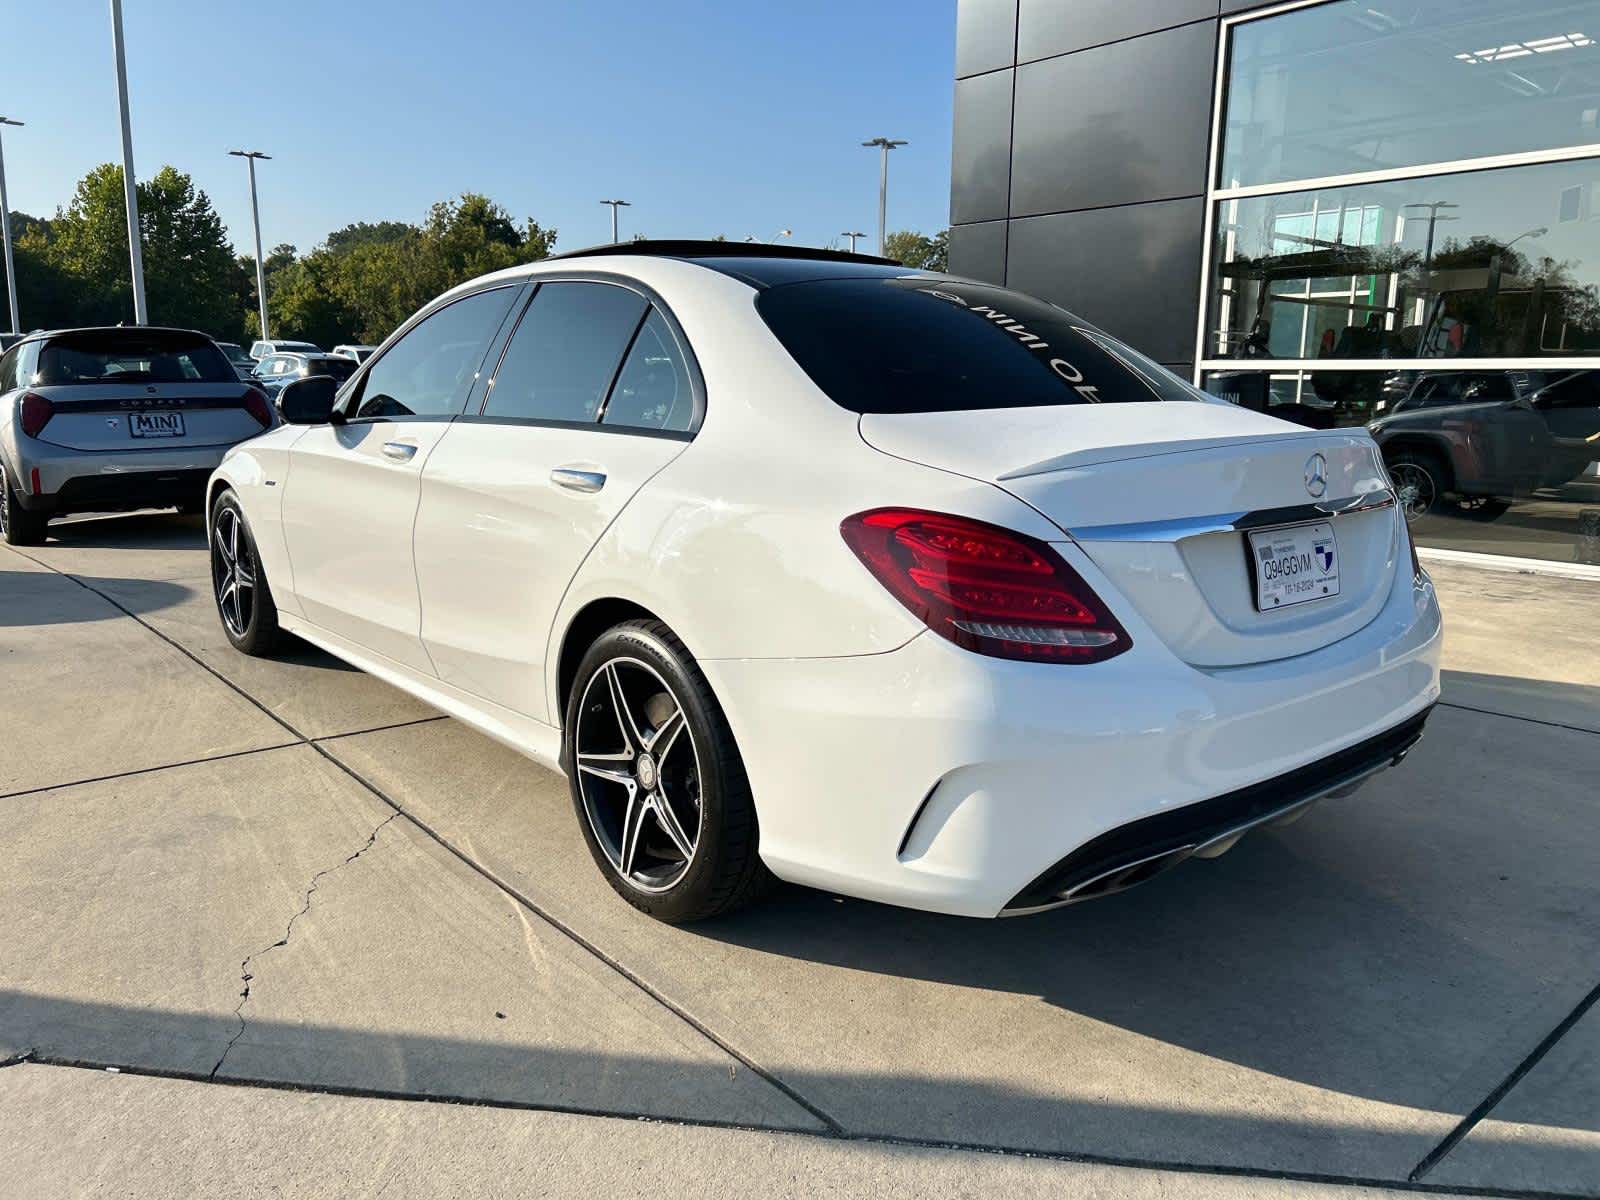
x,y
36,413
258,406
988,589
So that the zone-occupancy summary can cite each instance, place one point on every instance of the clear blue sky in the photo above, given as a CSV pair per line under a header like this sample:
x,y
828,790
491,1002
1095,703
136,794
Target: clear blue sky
x,y
712,116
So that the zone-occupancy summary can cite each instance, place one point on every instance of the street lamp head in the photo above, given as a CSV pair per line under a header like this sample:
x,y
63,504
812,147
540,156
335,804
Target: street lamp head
x,y
248,154
618,203
9,121
886,143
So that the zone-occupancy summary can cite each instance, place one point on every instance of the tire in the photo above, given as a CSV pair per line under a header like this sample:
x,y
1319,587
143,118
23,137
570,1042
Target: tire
x,y
1420,482
239,584
18,526
639,815
1481,508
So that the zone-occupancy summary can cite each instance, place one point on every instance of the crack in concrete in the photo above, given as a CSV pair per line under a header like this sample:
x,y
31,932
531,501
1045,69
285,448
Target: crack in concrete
x,y
288,931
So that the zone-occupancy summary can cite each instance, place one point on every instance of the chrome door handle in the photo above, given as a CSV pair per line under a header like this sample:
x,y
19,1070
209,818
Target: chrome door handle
x,y
399,451
578,481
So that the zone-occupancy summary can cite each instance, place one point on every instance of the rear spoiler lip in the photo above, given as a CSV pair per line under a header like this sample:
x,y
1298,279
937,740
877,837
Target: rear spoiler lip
x,y
1091,456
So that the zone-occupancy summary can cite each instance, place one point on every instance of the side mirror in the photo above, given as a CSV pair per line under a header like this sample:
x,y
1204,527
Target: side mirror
x,y
309,401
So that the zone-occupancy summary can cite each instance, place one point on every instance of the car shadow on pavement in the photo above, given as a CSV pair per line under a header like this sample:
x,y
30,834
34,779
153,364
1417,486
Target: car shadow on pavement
x,y
507,1070
41,598
131,531
1408,944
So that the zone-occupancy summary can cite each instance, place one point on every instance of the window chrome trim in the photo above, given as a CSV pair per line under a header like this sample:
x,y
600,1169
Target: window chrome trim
x,y
1176,530
1434,366
1455,166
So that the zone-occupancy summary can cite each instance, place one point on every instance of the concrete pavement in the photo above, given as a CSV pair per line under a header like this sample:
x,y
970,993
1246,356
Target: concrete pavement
x,y
1398,981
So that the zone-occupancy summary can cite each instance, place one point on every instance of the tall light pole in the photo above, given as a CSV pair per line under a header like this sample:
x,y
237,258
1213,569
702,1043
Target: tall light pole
x,y
5,234
1433,219
615,204
129,187
250,157
884,145
853,235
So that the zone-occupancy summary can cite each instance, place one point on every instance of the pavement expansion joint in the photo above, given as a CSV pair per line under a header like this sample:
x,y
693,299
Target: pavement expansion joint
x,y
245,975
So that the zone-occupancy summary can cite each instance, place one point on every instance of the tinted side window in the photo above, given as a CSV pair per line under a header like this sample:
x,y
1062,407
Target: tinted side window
x,y
1578,390
427,372
653,389
564,354
8,368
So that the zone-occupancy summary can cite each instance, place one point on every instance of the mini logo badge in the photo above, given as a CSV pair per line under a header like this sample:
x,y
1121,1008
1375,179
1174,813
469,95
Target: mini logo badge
x,y
1316,475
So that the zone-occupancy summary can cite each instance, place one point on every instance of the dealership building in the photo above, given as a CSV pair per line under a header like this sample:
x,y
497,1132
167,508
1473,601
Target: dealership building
x,y
1347,212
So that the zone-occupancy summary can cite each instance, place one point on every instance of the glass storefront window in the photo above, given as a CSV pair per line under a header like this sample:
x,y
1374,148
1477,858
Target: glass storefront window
x,y
1494,462
1484,264
1358,85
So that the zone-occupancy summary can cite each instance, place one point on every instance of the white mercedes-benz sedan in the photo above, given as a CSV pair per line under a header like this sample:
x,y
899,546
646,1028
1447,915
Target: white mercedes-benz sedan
x,y
806,565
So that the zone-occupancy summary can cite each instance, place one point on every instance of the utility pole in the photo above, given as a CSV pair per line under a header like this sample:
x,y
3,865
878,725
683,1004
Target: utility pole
x,y
5,234
129,187
853,235
250,157
884,145
615,204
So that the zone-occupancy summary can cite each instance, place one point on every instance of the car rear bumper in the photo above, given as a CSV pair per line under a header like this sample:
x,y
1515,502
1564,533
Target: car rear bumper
x,y
86,481
939,779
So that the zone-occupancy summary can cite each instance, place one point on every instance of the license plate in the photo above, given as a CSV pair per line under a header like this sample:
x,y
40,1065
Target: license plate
x,y
155,424
1294,565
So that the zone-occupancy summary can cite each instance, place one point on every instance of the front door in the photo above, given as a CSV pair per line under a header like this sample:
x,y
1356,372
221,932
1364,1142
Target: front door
x,y
350,496
594,395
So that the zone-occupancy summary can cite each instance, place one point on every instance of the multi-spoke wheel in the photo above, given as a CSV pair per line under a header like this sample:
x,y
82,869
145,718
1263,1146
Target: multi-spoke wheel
x,y
656,779
638,774
244,602
18,526
1419,482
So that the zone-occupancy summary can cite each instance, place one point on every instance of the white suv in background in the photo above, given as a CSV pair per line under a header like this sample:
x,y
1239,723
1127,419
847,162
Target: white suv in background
x,y
260,350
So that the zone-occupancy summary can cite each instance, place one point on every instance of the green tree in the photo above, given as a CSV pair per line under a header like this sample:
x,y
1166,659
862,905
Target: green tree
x,y
191,277
916,250
365,233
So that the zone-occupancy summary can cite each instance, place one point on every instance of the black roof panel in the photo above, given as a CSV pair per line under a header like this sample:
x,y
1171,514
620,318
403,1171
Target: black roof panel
x,y
757,263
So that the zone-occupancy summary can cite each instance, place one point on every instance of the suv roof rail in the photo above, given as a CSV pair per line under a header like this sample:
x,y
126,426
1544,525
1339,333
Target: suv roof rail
x,y
695,248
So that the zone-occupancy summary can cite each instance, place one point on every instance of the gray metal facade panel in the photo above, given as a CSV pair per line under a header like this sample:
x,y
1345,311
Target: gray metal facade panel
x,y
1047,27
1119,124
986,36
980,158
1132,270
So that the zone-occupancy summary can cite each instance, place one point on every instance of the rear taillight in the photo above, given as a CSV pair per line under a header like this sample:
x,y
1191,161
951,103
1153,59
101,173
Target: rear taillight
x,y
36,413
985,588
258,406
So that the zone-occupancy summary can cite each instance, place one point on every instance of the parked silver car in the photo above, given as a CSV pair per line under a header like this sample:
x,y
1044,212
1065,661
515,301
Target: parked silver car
x,y
109,420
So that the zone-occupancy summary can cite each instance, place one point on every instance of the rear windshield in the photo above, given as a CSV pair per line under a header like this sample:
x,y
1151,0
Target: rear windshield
x,y
339,368
132,356
917,345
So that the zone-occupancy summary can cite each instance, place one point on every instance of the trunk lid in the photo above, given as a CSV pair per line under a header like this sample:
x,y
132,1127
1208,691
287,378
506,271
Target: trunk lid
x,y
1161,497
120,417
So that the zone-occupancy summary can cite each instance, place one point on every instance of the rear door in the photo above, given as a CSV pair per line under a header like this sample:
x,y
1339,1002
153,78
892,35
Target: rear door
x,y
596,392
350,496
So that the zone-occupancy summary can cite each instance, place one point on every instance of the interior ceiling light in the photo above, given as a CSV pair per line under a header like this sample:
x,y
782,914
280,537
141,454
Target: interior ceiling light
x,y
1563,41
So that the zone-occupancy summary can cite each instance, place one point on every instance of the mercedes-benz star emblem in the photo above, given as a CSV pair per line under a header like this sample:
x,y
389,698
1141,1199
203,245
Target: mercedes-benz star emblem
x,y
1316,475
